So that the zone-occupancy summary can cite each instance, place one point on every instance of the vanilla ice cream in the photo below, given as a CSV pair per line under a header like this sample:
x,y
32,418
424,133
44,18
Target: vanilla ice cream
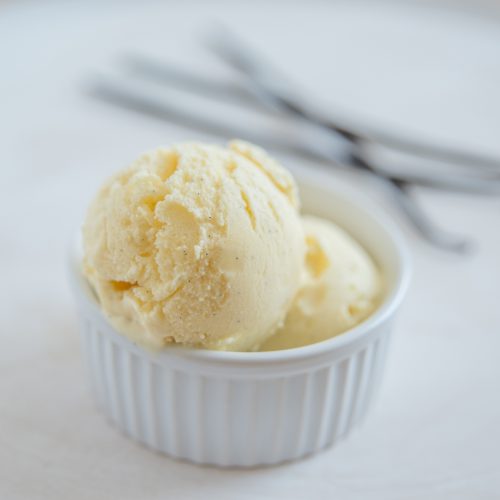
x,y
196,245
341,287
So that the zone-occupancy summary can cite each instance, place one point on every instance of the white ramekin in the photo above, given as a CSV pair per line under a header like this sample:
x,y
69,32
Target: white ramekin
x,y
249,409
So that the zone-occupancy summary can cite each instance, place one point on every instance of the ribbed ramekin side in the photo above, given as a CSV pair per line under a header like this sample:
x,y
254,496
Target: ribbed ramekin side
x,y
229,421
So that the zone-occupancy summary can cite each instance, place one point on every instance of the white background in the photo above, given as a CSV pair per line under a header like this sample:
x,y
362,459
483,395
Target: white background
x,y
433,71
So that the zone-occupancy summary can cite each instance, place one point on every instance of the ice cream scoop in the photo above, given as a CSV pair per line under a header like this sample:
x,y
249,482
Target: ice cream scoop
x,y
196,245
341,287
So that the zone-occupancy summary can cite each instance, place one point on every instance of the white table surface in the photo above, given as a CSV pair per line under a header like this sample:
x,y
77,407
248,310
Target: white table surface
x,y
430,71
